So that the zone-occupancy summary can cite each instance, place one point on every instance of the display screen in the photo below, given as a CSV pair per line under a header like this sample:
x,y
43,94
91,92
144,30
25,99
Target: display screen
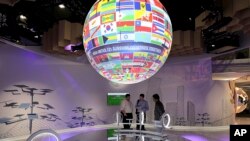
x,y
111,134
127,41
114,99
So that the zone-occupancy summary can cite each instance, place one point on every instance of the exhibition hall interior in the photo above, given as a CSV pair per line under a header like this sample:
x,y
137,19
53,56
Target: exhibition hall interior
x,y
123,70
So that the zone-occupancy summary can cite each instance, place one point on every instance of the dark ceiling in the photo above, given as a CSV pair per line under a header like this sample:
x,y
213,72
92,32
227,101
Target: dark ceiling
x,y
42,14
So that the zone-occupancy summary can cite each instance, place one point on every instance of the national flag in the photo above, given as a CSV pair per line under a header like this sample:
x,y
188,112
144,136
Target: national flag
x,y
155,66
152,57
148,64
156,3
158,16
94,11
168,25
85,45
168,35
90,45
126,56
147,16
124,5
157,9
108,18
125,15
103,58
107,75
86,42
143,26
98,41
108,6
159,20
140,56
125,26
135,70
95,32
166,43
101,40
163,57
111,38
143,37
127,76
93,15
110,70
95,42
96,59
157,39
140,10
97,6
140,6
108,66
103,2
126,69
117,66
125,36
114,56
158,28
116,77
86,32
108,28
94,22
138,70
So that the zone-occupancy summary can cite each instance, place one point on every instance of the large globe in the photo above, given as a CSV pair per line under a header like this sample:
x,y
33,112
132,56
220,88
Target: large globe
x,y
127,41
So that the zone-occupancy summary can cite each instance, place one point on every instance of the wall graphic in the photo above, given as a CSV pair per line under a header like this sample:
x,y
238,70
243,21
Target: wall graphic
x,y
36,111
182,117
83,117
31,92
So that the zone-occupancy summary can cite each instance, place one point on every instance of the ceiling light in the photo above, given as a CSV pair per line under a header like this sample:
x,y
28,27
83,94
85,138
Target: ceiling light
x,y
23,17
32,30
213,45
190,19
36,37
62,6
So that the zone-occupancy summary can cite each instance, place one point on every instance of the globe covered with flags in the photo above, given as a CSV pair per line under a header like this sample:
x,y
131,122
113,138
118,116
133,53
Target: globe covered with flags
x,y
127,41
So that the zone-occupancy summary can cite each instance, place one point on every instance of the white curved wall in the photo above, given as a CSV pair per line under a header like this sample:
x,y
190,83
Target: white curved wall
x,y
76,84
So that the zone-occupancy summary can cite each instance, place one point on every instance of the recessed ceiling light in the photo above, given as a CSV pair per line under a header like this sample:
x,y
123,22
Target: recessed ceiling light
x,y
36,37
32,30
23,17
213,45
62,6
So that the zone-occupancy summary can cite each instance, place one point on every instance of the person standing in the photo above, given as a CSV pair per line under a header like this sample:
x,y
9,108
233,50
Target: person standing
x,y
158,111
127,111
141,106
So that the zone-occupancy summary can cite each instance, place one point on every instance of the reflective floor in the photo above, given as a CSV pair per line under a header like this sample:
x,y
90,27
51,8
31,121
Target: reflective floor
x,y
114,135
109,133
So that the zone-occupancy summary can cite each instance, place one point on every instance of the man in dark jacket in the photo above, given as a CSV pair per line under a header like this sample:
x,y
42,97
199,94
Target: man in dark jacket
x,y
159,108
158,111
